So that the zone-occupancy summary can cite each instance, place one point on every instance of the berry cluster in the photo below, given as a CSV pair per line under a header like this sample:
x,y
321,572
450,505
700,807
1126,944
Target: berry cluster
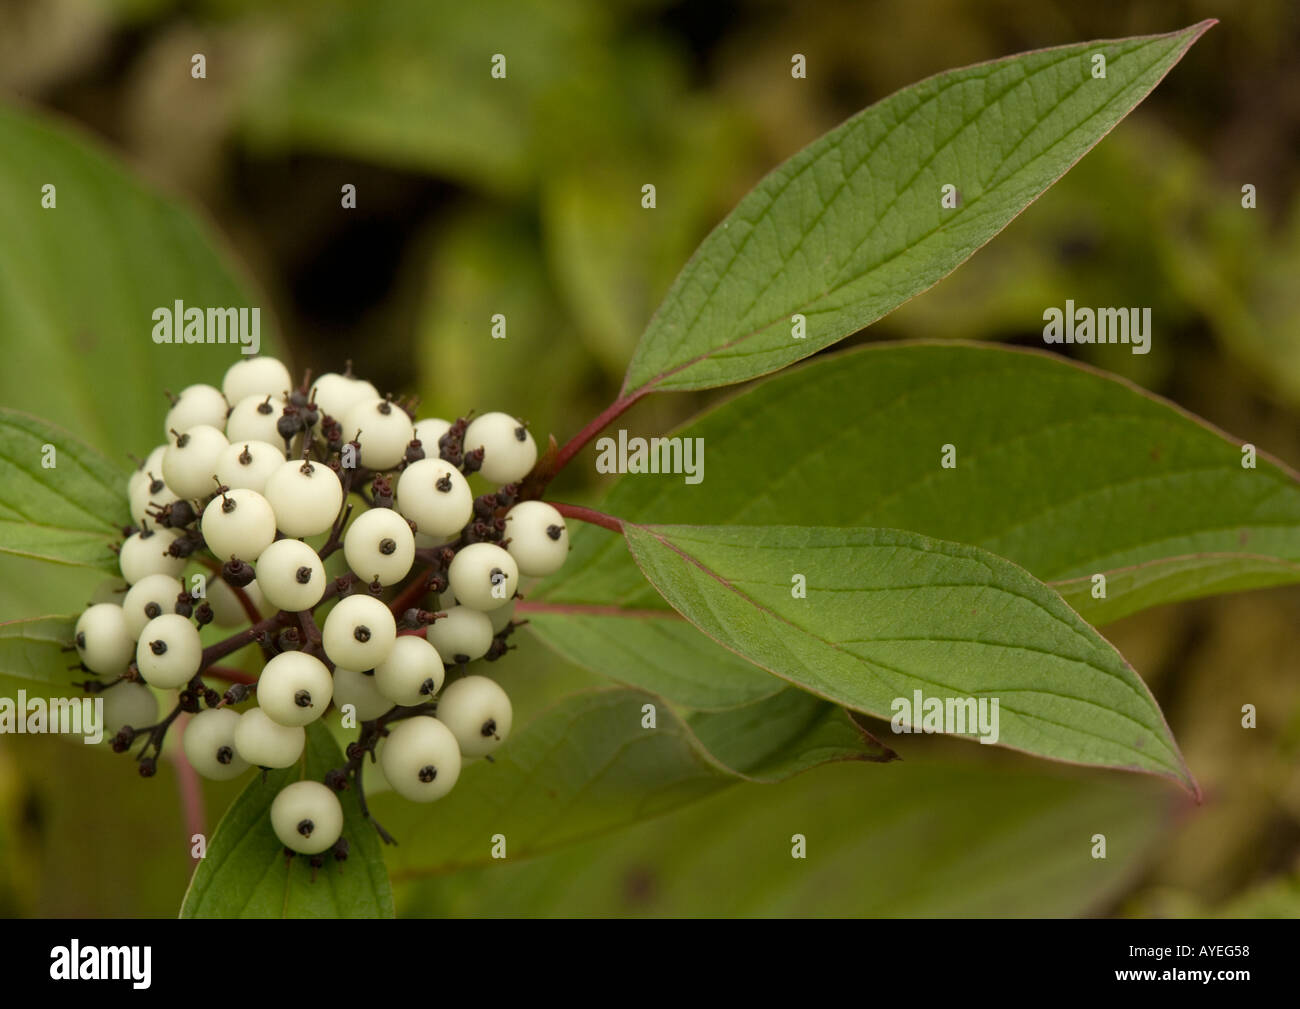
x,y
256,486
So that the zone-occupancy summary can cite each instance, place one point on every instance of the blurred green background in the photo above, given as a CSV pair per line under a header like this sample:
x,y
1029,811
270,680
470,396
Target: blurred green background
x,y
475,199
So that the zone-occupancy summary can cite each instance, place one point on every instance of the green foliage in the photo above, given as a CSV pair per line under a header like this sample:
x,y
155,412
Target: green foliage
x,y
589,765
851,226
888,613
929,836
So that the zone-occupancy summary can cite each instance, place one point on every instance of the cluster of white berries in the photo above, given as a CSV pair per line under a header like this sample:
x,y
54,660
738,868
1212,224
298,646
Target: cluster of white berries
x,y
256,487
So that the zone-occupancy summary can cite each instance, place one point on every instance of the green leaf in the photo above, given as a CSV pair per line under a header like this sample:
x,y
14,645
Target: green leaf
x,y
851,226
79,283
31,652
927,837
1061,469
245,874
654,649
68,511
888,613
586,766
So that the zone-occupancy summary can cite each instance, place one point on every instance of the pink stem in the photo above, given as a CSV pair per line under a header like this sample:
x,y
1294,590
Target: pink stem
x,y
191,789
575,444
588,515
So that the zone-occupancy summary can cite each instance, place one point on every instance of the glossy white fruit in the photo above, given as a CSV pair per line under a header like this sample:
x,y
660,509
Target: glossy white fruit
x,y
104,640
421,759
359,632
305,496
255,376
247,465
189,465
266,743
435,496
169,651
126,704
294,688
209,744
379,544
197,404
291,575
478,713
150,597
254,418
238,523
463,635
383,430
537,538
307,817
145,553
358,689
412,673
336,394
226,609
483,576
429,430
509,451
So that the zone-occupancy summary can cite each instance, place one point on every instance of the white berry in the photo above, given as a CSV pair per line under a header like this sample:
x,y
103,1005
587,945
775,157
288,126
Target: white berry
x,y
247,465
226,608
306,497
537,538
197,404
412,673
478,713
380,545
255,376
150,597
190,462
128,703
420,759
169,652
335,395
463,635
359,632
509,451
238,523
502,616
358,689
254,419
435,496
307,817
382,429
291,575
294,688
145,553
209,744
104,640
483,576
428,431
146,490
266,743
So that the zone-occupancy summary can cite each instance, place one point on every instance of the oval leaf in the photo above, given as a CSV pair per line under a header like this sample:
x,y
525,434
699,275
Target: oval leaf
x,y
245,874
588,765
60,500
79,283
852,226
32,652
933,837
888,614
1064,470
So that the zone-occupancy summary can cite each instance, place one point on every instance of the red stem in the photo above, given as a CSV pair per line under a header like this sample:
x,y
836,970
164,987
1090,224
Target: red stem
x,y
191,789
229,675
250,610
589,515
602,420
